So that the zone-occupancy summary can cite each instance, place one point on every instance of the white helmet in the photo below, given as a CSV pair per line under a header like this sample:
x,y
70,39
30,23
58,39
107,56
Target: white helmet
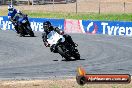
x,y
10,8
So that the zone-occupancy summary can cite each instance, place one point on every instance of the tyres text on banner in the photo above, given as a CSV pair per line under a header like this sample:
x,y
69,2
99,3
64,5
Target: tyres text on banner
x,y
98,27
36,23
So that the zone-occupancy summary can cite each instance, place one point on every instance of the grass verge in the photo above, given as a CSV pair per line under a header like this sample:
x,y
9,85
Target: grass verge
x,y
79,16
62,83
83,16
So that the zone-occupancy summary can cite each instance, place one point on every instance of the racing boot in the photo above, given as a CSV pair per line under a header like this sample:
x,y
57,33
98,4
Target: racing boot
x,y
74,44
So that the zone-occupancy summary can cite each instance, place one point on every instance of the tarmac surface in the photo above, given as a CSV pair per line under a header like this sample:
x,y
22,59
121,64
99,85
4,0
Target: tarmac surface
x,y
28,58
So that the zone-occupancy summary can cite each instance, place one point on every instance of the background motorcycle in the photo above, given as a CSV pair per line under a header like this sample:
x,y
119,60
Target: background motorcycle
x,y
58,44
24,27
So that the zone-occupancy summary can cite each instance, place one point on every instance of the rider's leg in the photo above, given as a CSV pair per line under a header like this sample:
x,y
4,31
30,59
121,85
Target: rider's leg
x,y
69,39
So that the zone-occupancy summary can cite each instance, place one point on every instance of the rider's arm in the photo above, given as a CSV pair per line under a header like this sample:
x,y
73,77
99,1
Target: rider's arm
x,y
10,19
44,37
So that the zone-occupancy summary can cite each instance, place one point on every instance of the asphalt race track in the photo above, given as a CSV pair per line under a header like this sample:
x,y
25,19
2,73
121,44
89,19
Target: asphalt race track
x,y
28,58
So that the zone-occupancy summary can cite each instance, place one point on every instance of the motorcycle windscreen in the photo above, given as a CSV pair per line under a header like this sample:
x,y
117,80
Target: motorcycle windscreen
x,y
53,37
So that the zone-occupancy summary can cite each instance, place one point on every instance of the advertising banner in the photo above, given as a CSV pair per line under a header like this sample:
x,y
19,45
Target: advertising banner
x,y
73,26
98,27
36,23
107,27
76,26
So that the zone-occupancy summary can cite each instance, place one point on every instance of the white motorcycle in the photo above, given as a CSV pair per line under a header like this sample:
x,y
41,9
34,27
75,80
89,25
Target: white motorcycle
x,y
58,44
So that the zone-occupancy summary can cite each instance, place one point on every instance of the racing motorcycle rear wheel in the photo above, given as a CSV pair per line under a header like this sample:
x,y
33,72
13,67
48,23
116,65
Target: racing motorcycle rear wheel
x,y
63,53
29,30
31,33
21,31
74,52
77,55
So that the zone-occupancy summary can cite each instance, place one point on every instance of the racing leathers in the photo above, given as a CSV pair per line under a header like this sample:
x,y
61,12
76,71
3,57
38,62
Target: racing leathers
x,y
12,17
61,32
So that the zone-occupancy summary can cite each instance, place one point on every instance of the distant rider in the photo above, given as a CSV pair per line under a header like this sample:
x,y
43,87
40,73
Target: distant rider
x,y
48,27
11,16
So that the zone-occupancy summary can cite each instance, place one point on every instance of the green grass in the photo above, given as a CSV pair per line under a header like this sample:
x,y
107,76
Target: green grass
x,y
80,16
83,16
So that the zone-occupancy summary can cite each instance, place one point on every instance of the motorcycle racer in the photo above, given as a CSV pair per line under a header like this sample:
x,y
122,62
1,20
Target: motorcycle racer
x,y
59,42
11,16
48,27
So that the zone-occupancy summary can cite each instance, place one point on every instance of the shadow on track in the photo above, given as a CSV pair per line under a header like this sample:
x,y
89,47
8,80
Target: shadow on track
x,y
26,36
69,60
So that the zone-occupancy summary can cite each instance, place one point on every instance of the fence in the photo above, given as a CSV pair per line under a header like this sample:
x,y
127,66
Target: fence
x,y
77,6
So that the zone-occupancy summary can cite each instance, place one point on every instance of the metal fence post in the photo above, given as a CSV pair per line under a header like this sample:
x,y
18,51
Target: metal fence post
x,y
124,6
11,2
99,6
53,5
76,5
32,2
28,2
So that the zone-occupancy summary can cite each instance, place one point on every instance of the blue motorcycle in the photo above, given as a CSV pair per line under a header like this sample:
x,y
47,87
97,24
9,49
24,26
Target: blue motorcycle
x,y
24,27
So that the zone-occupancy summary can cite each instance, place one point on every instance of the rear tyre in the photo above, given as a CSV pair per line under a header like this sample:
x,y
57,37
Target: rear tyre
x,y
63,54
31,33
29,30
21,31
75,53
22,35
77,56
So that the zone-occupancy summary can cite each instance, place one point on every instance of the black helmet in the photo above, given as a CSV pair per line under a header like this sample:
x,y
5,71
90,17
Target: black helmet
x,y
46,25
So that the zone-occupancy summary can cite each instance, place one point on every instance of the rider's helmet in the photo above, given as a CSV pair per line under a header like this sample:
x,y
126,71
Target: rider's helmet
x,y
10,8
46,26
